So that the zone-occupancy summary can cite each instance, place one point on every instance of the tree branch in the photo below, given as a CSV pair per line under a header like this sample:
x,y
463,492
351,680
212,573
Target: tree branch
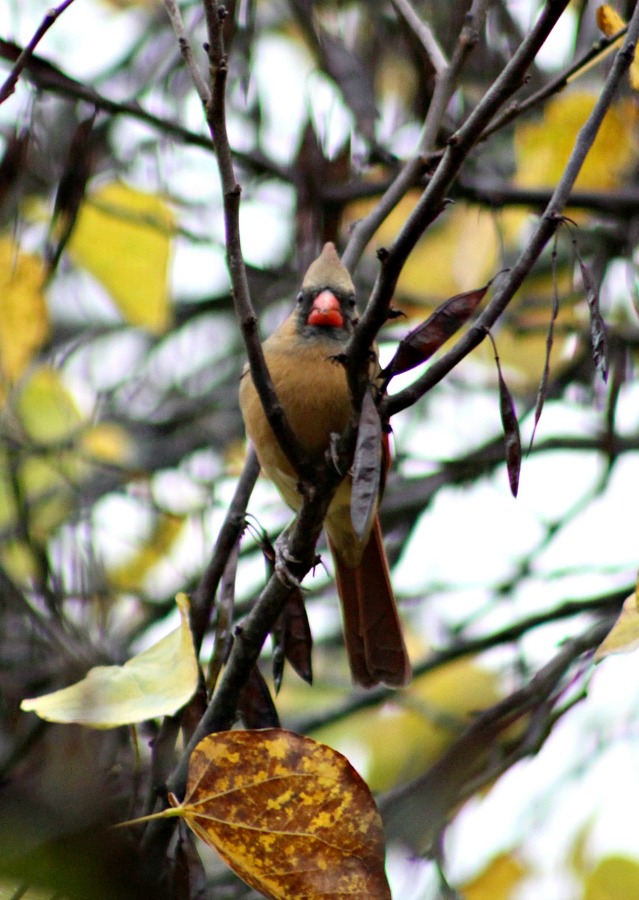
x,y
11,81
549,222
414,168
433,198
215,110
473,759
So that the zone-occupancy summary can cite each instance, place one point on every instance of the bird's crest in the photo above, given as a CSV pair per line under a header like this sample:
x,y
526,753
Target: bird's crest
x,y
328,271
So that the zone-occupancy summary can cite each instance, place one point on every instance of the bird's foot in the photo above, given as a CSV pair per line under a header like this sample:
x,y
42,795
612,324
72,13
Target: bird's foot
x,y
282,560
332,451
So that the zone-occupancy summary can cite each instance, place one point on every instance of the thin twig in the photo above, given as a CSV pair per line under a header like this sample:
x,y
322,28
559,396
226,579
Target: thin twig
x,y
48,77
177,22
414,168
11,81
471,759
433,198
216,117
424,34
608,605
203,597
589,58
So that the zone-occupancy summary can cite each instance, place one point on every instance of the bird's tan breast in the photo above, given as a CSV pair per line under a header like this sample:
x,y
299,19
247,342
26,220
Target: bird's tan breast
x,y
313,391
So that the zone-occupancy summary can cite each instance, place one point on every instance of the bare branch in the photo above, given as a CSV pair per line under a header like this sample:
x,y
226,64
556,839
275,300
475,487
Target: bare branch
x,y
416,166
48,77
177,22
471,759
434,196
544,231
216,117
423,33
571,73
53,14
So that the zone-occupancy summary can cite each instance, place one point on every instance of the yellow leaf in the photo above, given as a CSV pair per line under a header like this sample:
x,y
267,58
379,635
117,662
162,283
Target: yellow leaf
x,y
290,816
497,881
107,442
542,148
624,634
132,573
613,878
402,738
608,20
23,313
457,253
46,408
123,237
18,560
156,682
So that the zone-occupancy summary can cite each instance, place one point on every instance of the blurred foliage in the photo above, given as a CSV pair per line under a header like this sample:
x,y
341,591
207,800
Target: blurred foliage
x,y
120,358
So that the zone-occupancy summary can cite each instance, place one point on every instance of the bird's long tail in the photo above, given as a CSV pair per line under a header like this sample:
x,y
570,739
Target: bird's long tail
x,y
372,627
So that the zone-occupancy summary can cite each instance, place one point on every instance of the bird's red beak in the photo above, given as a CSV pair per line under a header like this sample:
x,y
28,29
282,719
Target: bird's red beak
x,y
326,310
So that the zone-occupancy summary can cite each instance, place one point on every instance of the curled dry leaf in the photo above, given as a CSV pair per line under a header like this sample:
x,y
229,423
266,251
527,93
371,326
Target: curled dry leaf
x,y
598,339
367,466
290,816
71,189
510,425
293,639
420,344
255,704
291,634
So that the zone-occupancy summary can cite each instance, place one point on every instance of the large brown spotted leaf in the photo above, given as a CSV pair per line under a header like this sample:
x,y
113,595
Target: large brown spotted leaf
x,y
289,815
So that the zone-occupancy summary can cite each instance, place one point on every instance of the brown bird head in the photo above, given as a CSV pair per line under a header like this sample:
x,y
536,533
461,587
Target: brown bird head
x,y
326,303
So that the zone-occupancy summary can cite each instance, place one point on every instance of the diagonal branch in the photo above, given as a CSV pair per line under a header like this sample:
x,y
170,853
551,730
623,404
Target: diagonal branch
x,y
549,222
471,761
11,81
215,110
434,196
416,166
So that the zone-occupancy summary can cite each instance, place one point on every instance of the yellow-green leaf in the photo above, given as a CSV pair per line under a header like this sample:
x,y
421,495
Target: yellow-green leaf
x,y
156,682
624,634
23,313
498,880
131,574
613,878
288,815
123,237
542,148
610,22
46,409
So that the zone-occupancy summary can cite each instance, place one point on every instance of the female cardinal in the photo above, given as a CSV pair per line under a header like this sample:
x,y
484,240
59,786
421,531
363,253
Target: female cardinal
x,y
313,391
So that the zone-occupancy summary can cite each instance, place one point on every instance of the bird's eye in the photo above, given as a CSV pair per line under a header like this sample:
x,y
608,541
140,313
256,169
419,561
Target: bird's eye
x,y
351,301
300,297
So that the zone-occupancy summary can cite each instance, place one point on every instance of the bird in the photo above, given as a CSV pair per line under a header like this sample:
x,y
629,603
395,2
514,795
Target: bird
x,y
314,393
